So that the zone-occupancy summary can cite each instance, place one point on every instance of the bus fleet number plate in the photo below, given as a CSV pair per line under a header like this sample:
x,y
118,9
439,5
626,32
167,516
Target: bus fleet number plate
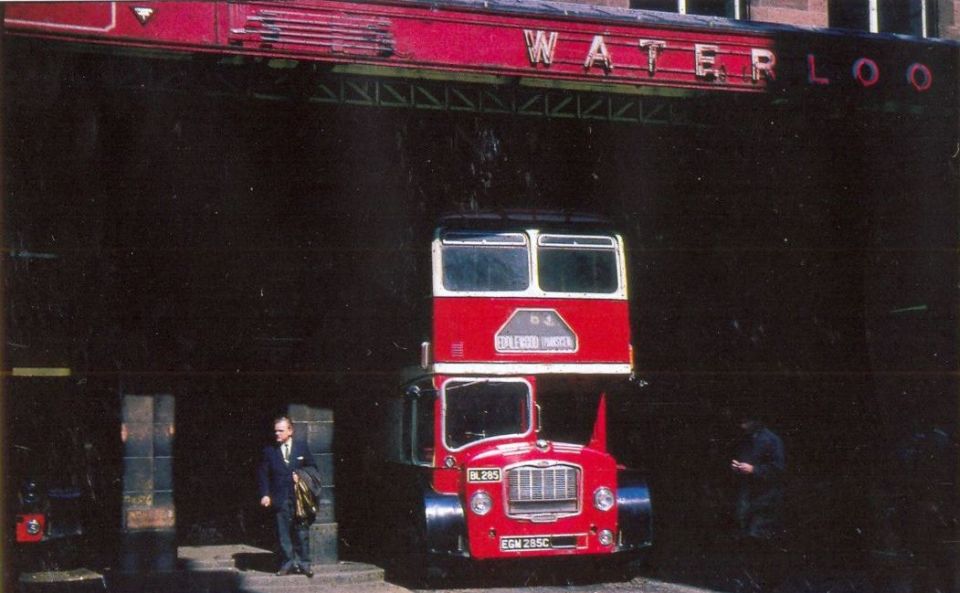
x,y
483,474
508,544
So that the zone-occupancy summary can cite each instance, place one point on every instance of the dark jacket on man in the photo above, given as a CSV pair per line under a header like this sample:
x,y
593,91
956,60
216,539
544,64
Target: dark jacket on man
x,y
275,478
760,498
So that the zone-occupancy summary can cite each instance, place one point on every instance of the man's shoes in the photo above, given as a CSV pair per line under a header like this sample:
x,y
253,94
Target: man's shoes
x,y
307,571
286,569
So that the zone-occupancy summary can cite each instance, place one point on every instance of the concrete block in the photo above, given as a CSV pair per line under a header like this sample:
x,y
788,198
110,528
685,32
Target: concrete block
x,y
325,465
164,409
137,475
137,408
323,543
133,500
320,437
163,498
149,518
137,439
299,430
163,439
147,552
325,513
77,580
163,473
306,413
300,412
327,495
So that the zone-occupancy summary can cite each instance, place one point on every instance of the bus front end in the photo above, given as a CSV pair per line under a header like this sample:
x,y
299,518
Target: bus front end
x,y
500,490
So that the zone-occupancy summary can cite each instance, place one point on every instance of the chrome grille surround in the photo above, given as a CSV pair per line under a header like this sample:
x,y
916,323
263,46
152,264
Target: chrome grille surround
x,y
543,492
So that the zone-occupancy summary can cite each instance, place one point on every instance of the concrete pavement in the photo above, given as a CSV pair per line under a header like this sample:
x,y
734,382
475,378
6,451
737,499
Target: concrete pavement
x,y
247,569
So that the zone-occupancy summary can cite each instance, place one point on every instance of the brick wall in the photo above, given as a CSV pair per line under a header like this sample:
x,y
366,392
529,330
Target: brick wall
x,y
617,3
808,13
950,19
813,13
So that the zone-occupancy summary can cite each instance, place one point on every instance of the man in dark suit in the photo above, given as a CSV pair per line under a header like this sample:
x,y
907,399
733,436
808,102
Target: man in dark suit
x,y
276,479
760,466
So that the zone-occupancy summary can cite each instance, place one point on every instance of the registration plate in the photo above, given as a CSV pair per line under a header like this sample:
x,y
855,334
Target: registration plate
x,y
520,544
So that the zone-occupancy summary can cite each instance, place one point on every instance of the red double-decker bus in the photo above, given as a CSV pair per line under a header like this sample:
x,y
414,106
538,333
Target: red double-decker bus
x,y
502,427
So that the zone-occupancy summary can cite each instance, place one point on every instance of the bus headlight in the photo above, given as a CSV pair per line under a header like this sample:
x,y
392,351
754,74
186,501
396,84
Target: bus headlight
x,y
605,537
33,527
603,498
481,503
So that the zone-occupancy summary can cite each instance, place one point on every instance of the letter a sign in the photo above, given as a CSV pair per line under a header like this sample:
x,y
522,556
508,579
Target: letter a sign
x,y
540,46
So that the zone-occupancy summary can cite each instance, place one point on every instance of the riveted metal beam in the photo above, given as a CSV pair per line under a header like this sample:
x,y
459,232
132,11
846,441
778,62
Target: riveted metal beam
x,y
502,100
263,80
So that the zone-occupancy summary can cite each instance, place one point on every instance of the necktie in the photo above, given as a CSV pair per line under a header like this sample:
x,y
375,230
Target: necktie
x,y
286,453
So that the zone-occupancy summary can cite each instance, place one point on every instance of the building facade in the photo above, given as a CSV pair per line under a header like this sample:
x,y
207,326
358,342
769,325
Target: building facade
x,y
224,206
920,18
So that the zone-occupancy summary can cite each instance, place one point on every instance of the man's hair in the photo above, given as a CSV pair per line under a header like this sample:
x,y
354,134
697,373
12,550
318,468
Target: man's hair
x,y
280,419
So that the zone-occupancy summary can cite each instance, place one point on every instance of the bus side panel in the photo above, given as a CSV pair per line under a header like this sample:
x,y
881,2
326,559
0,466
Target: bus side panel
x,y
466,329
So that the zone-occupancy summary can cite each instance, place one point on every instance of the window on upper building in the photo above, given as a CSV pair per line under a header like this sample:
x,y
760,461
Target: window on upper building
x,y
735,9
710,7
907,17
660,5
847,14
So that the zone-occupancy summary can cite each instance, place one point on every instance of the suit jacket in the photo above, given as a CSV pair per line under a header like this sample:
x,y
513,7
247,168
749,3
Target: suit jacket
x,y
760,501
275,478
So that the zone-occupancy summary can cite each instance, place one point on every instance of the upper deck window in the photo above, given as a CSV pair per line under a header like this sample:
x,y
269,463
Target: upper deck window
x,y
528,264
570,263
485,262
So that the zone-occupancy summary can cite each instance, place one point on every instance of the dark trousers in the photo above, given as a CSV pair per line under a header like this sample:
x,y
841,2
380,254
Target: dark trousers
x,y
293,535
761,565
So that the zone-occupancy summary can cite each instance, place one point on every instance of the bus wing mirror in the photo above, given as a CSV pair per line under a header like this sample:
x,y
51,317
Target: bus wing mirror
x,y
426,355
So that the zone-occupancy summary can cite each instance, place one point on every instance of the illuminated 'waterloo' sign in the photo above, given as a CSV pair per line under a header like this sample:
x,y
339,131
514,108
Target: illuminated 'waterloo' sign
x,y
458,39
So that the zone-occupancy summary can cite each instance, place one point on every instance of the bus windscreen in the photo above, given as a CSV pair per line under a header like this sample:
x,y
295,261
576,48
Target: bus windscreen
x,y
479,410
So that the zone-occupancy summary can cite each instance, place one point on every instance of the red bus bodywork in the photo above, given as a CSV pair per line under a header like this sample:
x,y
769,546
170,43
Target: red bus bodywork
x,y
601,328
485,467
524,326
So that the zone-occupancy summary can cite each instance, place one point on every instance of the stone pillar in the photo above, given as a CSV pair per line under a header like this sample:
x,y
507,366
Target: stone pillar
x,y
148,538
315,427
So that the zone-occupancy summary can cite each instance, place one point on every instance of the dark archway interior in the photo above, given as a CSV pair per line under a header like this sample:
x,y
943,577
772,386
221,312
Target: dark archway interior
x,y
245,253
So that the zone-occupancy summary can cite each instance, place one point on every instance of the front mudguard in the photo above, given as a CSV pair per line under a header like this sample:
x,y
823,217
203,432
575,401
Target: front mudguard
x,y
445,524
634,512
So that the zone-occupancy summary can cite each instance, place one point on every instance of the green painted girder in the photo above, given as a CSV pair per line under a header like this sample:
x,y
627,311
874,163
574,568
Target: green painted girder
x,y
502,100
285,81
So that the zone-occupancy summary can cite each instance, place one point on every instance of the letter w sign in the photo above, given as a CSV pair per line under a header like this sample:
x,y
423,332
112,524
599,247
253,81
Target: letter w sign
x,y
540,46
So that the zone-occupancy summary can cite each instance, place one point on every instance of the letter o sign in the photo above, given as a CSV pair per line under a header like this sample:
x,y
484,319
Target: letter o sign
x,y
866,72
919,76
